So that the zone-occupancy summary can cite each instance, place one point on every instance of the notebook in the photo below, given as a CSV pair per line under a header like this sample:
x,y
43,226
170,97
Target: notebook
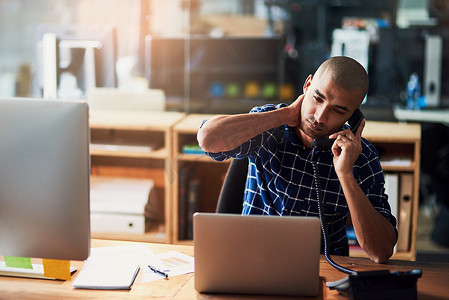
x,y
267,255
107,276
113,268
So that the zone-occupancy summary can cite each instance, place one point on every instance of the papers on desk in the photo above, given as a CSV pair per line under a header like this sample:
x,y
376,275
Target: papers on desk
x,y
173,263
117,267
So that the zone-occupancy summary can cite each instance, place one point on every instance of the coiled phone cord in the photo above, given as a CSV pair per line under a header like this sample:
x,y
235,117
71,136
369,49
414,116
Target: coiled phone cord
x,y
322,222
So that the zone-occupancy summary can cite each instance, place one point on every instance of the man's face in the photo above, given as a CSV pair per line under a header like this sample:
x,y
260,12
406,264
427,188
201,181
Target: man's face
x,y
326,106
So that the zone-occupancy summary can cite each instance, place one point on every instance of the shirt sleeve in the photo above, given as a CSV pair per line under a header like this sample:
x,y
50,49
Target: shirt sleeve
x,y
253,144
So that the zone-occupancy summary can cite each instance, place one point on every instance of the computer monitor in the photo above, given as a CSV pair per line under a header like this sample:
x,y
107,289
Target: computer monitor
x,y
44,179
84,56
398,54
215,75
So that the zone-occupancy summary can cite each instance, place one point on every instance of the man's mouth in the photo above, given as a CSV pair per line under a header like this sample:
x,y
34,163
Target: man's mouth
x,y
316,127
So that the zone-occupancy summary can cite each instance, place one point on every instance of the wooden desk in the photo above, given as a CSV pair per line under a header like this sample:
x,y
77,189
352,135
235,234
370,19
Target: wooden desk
x,y
432,285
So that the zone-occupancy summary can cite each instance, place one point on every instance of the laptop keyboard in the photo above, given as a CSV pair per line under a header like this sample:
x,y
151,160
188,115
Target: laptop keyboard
x,y
37,271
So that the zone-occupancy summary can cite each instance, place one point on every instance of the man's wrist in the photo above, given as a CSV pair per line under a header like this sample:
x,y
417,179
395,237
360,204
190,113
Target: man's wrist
x,y
345,176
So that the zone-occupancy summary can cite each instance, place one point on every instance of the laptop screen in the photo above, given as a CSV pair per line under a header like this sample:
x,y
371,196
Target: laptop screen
x,y
268,255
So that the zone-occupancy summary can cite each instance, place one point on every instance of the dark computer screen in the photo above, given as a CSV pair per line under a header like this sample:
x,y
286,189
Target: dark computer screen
x,y
205,71
399,53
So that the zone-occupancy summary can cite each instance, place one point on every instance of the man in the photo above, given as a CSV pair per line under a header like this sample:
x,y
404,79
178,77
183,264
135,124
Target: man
x,y
277,140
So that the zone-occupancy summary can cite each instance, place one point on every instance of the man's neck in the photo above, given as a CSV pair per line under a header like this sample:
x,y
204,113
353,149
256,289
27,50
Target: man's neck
x,y
305,139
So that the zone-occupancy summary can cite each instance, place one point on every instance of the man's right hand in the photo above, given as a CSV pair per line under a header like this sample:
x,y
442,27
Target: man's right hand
x,y
295,112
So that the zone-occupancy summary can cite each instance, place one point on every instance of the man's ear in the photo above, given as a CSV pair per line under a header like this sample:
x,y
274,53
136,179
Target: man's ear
x,y
307,83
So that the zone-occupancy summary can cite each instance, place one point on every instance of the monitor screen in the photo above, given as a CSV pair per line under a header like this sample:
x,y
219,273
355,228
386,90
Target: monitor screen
x,y
44,179
398,54
216,73
82,49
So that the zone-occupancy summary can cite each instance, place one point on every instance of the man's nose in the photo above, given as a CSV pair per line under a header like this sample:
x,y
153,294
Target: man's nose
x,y
321,114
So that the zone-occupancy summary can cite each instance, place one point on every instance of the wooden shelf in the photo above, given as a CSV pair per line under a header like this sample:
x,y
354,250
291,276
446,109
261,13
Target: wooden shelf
x,y
150,237
390,168
156,154
398,255
191,123
210,173
198,158
140,121
389,132
136,145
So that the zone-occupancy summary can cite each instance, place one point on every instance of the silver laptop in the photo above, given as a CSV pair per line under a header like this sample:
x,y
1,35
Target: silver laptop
x,y
266,255
44,179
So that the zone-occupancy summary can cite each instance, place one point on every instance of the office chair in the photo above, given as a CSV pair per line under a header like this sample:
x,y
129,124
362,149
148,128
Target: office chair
x,y
230,200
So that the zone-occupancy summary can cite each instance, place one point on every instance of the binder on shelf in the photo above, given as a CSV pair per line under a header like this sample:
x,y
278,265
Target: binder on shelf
x,y
192,149
189,189
405,211
392,190
192,205
184,174
354,247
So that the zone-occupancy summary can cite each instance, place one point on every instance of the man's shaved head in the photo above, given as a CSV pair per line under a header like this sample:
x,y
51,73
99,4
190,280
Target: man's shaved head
x,y
345,72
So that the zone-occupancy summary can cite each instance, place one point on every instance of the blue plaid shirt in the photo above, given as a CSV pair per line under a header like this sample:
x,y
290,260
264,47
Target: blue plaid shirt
x,y
280,180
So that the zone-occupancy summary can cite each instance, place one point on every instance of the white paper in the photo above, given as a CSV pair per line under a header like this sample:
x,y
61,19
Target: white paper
x,y
173,263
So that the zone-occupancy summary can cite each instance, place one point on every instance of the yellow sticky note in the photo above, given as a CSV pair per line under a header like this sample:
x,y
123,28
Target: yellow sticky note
x,y
55,268
18,262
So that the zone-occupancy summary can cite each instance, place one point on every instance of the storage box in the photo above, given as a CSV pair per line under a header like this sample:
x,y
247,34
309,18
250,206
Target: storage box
x,y
117,205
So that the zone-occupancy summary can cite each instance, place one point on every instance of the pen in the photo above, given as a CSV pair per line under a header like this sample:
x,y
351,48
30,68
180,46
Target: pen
x,y
156,270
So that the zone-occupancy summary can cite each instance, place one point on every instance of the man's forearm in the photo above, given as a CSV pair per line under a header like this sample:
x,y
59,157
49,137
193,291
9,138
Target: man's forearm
x,y
227,132
374,233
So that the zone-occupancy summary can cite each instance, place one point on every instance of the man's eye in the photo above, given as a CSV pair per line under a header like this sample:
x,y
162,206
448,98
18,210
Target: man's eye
x,y
339,111
318,99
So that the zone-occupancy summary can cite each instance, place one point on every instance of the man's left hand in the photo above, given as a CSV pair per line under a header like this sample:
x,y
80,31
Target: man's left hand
x,y
346,149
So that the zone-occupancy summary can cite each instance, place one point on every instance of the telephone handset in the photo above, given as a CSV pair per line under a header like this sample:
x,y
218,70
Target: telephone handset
x,y
325,144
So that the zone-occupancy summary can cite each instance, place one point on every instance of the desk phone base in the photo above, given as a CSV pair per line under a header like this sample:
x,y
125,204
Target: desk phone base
x,y
381,284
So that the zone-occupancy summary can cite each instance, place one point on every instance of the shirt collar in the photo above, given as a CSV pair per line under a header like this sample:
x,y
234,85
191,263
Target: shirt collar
x,y
290,135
